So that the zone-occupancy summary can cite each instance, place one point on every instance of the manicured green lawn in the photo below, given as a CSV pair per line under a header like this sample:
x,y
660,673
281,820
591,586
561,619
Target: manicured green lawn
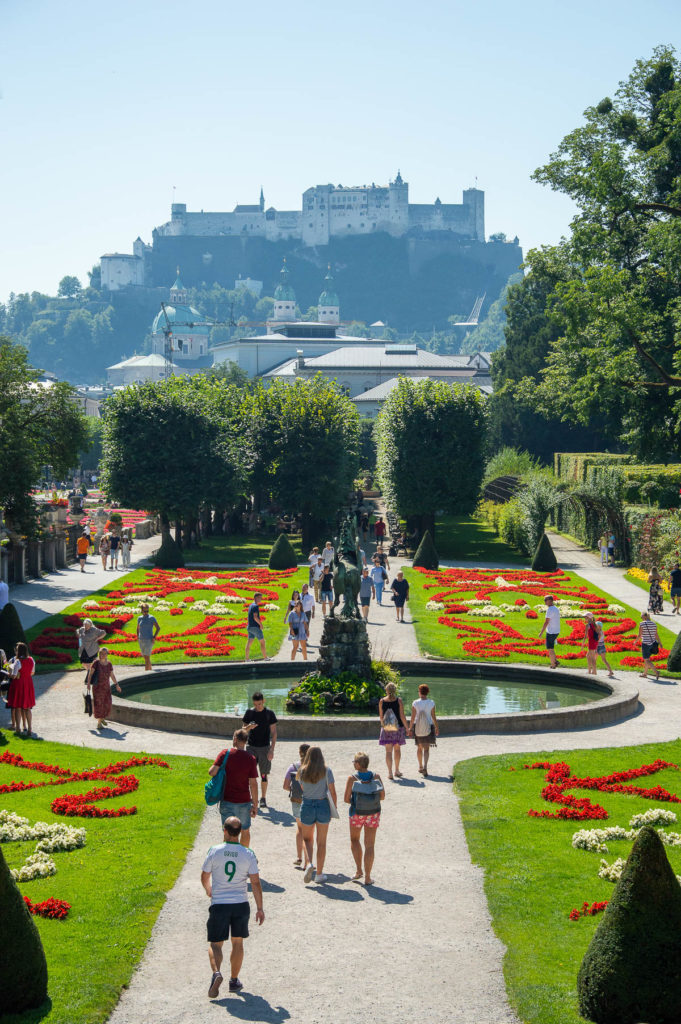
x,y
239,549
533,876
116,883
214,638
466,538
445,641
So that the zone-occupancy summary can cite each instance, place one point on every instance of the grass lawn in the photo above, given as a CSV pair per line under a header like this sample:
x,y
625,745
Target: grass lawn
x,y
240,549
466,538
453,633
195,624
534,877
116,883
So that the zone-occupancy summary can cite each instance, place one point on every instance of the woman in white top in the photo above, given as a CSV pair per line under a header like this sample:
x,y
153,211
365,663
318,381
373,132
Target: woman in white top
x,y
650,644
423,724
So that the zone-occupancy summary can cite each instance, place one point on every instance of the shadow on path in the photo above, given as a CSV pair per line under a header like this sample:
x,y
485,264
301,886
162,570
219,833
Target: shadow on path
x,y
248,1007
387,895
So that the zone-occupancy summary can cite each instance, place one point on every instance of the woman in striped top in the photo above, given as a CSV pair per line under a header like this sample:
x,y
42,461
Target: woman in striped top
x,y
650,644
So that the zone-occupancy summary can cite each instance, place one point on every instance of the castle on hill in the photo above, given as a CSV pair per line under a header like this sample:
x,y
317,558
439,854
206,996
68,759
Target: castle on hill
x,y
327,212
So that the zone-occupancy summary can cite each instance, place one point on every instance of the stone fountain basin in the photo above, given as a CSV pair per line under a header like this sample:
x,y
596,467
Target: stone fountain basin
x,y
620,700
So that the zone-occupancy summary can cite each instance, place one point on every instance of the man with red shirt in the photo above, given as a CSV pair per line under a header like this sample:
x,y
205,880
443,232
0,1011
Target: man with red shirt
x,y
379,530
240,795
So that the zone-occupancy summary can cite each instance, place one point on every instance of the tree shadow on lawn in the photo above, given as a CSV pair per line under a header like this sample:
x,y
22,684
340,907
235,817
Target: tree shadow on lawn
x,y
249,1007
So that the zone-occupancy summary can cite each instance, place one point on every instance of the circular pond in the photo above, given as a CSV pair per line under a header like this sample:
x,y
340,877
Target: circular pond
x,y
463,695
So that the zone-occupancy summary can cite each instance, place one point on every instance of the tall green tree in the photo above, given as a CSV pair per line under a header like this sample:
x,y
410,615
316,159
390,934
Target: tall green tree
x,y
431,449
40,424
619,306
69,286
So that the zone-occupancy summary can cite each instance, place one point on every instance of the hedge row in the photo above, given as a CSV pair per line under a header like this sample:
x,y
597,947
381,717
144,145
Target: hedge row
x,y
652,484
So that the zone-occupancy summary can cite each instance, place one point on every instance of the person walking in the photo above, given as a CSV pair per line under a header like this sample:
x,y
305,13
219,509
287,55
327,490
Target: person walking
x,y
21,695
115,549
650,644
295,794
317,573
379,578
372,524
308,603
423,723
612,543
126,547
591,636
88,642
240,792
364,526
104,548
261,725
82,548
393,728
293,601
366,592
328,554
400,589
675,588
655,595
298,630
382,558
327,589
100,676
319,793
254,627
552,626
603,548
147,631
379,530
312,560
601,650
226,872
364,791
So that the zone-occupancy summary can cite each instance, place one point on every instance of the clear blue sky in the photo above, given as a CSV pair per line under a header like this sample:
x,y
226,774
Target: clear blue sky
x,y
106,107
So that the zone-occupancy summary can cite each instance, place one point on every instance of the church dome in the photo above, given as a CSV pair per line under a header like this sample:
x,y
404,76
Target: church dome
x,y
328,296
184,319
284,292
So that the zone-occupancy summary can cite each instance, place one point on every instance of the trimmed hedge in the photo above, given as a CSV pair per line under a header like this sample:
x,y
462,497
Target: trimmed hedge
x,y
426,556
23,968
282,555
11,630
169,555
544,559
652,484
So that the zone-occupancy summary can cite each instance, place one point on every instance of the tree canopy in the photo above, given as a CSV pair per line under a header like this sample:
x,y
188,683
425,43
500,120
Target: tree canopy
x,y
616,298
431,448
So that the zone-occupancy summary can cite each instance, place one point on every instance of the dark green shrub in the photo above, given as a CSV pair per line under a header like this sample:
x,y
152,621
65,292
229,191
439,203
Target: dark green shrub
x,y
426,556
361,692
632,969
11,630
674,659
544,559
169,555
282,555
23,967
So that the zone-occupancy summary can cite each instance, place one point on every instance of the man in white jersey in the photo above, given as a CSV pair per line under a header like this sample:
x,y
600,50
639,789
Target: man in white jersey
x,y
226,872
552,627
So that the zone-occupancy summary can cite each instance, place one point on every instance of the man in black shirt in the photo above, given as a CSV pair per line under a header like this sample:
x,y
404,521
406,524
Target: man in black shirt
x,y
261,724
675,587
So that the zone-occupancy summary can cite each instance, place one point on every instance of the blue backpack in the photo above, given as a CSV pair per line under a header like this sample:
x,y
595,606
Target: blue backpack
x,y
215,787
366,796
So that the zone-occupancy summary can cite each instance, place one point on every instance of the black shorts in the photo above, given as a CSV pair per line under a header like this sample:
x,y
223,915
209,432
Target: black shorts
x,y
224,918
260,754
366,601
551,641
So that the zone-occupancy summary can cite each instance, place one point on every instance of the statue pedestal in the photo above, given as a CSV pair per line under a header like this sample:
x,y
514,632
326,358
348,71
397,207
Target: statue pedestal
x,y
344,647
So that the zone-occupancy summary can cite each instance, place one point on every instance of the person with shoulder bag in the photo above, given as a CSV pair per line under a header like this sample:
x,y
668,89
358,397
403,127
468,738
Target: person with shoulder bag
x,y
295,793
317,809
393,728
364,792
423,723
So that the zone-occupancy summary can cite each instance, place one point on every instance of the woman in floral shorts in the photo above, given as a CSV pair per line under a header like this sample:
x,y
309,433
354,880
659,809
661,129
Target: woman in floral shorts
x,y
368,822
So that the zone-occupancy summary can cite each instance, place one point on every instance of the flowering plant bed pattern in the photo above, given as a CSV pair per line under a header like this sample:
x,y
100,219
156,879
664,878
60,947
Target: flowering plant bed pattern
x,y
545,880
202,615
481,615
111,875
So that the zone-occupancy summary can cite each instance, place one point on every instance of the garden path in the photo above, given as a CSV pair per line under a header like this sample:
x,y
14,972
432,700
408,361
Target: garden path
x,y
51,593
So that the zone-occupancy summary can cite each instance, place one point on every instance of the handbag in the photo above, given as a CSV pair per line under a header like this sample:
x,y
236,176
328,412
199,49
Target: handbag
x,y
332,807
214,788
654,647
88,703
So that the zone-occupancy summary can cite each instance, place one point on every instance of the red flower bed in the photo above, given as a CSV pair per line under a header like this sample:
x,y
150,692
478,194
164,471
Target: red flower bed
x,y
55,909
210,638
560,779
588,911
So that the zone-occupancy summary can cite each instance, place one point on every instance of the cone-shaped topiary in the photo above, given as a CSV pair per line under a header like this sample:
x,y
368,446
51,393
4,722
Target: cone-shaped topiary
x,y
11,630
544,559
632,969
674,659
23,967
282,555
169,555
426,556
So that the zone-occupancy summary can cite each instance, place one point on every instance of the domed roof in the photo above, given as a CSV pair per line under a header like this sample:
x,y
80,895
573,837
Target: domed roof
x,y
328,296
184,319
284,292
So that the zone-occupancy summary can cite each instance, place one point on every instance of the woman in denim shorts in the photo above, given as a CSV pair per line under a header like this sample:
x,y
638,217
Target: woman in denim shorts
x,y
318,787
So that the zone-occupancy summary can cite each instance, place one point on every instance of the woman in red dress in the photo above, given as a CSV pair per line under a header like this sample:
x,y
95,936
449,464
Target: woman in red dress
x,y
100,677
21,697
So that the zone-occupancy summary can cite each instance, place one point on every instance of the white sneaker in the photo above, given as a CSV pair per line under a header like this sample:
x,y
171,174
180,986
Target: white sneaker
x,y
320,878
309,874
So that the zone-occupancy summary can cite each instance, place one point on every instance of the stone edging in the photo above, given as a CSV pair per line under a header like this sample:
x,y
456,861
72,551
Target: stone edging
x,y
621,702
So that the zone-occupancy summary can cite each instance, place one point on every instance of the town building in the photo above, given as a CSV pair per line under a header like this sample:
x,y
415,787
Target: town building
x,y
140,369
189,330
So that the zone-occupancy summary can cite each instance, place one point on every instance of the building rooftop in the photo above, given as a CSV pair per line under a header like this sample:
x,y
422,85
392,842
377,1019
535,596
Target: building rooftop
x,y
383,356
150,360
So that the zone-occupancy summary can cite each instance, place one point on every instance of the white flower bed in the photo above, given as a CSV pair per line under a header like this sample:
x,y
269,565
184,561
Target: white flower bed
x,y
655,816
432,606
596,838
474,602
611,872
616,609
38,865
488,609
501,582
219,609
276,608
210,581
51,838
91,606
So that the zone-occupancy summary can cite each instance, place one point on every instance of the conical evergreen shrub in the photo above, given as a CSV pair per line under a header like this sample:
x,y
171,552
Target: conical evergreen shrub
x,y
631,971
169,555
282,555
426,556
23,968
544,559
674,659
11,630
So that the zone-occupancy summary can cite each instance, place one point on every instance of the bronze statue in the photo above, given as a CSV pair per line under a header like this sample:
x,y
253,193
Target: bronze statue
x,y
346,573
